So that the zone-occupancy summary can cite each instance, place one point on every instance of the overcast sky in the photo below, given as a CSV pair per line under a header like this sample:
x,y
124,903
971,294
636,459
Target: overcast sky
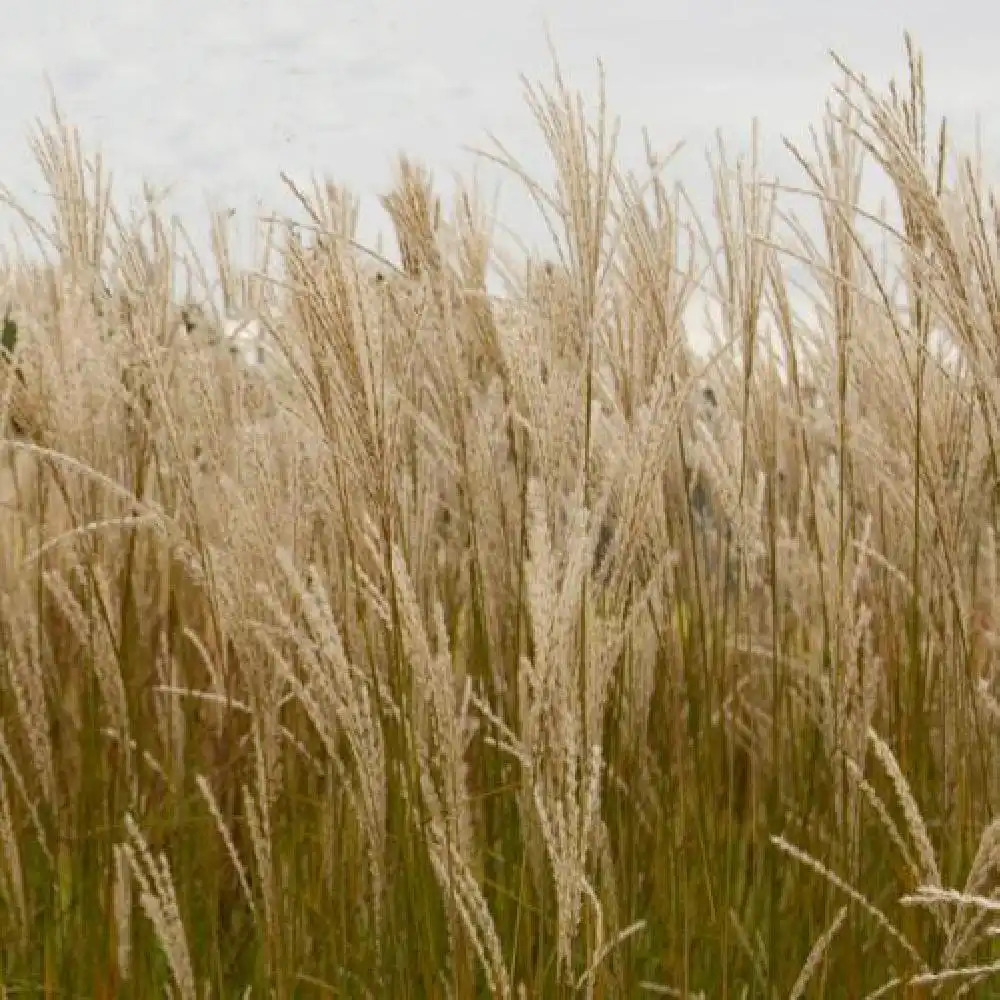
x,y
215,97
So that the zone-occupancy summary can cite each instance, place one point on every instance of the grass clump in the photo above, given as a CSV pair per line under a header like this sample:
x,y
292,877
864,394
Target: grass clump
x,y
480,645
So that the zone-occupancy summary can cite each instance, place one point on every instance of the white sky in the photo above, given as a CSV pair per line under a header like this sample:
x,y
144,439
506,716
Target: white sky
x,y
216,97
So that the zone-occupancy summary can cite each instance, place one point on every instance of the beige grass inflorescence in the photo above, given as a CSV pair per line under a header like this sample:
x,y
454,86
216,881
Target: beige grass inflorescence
x,y
481,645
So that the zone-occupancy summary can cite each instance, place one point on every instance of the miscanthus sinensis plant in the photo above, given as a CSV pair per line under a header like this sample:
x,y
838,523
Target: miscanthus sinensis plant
x,y
435,642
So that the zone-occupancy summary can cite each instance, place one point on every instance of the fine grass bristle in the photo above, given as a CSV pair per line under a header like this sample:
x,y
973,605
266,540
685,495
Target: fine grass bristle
x,y
365,632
